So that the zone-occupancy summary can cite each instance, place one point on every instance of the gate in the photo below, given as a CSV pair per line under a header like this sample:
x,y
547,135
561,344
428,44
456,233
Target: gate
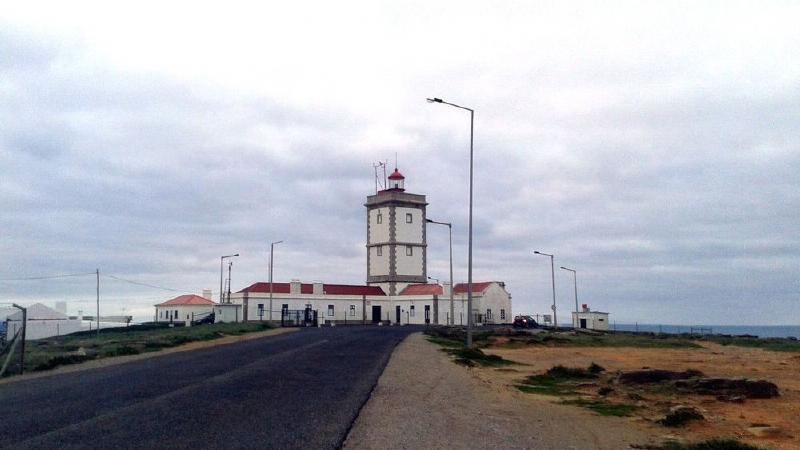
x,y
298,317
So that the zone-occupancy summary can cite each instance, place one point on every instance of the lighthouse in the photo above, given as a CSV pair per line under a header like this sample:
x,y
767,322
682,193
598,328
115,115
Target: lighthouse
x,y
396,245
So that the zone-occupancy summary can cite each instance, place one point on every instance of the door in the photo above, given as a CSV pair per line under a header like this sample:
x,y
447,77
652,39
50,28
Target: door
x,y
583,323
376,314
397,314
427,314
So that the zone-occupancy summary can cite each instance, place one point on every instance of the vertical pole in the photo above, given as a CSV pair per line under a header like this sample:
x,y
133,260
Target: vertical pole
x,y
469,259
230,264
553,277
98,302
452,319
271,249
575,279
221,298
22,348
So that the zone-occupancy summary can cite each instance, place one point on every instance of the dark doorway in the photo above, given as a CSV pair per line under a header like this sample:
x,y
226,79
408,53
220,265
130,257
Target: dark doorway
x,y
376,314
583,323
427,314
397,314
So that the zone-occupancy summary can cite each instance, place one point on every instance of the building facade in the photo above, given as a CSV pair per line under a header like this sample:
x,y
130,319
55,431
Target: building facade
x,y
184,308
396,241
590,320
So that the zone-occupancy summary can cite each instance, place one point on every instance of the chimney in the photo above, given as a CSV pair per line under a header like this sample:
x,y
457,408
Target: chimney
x,y
294,286
585,307
207,294
318,288
446,289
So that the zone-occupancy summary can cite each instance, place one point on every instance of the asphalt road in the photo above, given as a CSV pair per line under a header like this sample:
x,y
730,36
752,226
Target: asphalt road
x,y
297,390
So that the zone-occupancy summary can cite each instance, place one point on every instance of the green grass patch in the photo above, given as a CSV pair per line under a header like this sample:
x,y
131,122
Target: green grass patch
x,y
713,444
603,407
444,342
475,356
49,353
562,339
772,344
559,380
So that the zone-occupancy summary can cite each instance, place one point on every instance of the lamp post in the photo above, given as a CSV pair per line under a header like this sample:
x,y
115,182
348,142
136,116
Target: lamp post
x,y
434,279
271,252
450,230
469,252
575,280
221,259
553,278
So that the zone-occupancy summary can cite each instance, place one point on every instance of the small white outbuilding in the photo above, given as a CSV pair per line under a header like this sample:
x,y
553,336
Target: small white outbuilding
x,y
42,322
184,308
590,320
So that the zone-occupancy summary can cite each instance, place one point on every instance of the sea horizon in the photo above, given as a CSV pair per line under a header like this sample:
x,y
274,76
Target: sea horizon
x,y
762,331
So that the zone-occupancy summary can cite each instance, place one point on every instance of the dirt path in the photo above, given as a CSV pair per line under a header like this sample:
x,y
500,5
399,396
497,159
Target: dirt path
x,y
425,401
105,362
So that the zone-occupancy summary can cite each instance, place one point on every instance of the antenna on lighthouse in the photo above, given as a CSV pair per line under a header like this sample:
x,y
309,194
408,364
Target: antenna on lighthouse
x,y
378,182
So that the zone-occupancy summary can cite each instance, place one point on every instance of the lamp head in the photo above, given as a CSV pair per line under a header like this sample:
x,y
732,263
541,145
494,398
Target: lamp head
x,y
434,100
536,252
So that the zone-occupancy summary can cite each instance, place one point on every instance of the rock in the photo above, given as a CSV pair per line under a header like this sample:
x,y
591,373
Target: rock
x,y
765,431
729,387
680,415
731,398
656,376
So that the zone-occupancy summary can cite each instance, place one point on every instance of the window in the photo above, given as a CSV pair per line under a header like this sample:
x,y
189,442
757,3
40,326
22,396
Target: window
x,y
260,310
176,314
352,310
488,314
409,250
187,317
412,311
379,250
285,306
409,218
379,217
309,306
502,314
330,310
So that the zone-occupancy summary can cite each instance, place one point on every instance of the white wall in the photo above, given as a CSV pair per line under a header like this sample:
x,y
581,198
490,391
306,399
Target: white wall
x,y
409,265
408,232
39,329
184,312
378,232
379,265
594,320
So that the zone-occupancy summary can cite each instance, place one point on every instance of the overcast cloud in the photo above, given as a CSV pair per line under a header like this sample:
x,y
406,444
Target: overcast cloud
x,y
653,146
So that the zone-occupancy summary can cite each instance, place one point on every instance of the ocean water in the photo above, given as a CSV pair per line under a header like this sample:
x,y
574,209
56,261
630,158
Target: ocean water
x,y
764,331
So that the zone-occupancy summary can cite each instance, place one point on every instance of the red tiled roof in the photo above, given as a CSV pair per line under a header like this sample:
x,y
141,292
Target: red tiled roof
x,y
396,175
422,289
461,288
187,300
308,288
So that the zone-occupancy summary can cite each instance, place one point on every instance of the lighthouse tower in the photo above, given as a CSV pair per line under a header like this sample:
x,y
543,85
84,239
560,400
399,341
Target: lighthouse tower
x,y
396,246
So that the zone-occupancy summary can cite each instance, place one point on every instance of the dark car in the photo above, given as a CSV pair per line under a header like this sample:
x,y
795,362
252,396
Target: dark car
x,y
525,322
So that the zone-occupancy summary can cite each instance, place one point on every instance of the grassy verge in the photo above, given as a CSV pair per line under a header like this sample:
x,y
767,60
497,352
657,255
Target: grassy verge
x,y
46,354
603,407
515,340
772,344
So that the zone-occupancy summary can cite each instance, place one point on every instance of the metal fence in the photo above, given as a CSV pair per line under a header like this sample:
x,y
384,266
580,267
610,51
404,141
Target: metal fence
x,y
298,317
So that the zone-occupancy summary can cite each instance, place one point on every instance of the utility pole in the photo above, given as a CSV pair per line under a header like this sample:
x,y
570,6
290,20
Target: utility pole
x,y
221,287
553,278
98,301
271,253
230,264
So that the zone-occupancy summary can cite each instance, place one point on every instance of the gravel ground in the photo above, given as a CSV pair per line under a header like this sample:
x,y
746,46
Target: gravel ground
x,y
425,401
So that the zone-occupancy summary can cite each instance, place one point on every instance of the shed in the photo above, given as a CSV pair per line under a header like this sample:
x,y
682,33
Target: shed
x,y
590,320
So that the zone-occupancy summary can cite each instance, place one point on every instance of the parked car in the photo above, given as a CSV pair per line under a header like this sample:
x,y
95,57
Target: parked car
x,y
525,322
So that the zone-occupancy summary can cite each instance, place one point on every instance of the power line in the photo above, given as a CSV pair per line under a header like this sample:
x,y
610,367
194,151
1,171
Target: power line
x,y
48,277
141,283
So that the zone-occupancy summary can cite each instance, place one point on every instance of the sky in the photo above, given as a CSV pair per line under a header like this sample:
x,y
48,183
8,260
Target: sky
x,y
652,146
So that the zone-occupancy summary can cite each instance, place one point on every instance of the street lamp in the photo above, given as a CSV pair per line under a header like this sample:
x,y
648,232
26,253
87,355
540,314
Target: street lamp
x,y
575,280
221,259
450,229
553,277
271,252
469,252
434,279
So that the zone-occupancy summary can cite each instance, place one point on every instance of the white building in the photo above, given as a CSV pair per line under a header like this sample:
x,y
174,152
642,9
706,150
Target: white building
x,y
395,290
590,320
42,322
184,308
